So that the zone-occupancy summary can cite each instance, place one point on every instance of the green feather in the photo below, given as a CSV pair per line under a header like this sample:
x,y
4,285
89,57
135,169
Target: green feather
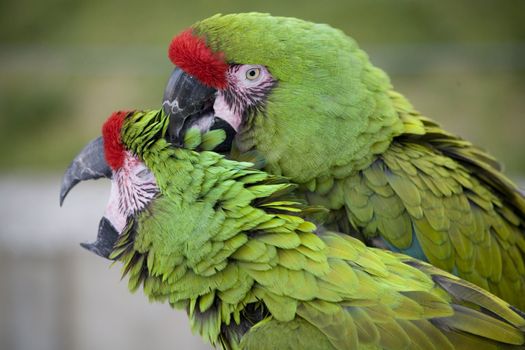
x,y
359,148
219,240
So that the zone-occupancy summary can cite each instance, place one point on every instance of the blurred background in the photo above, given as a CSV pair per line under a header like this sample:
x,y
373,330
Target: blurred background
x,y
65,65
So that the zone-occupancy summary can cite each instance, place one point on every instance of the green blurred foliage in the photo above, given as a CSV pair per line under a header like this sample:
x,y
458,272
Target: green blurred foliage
x,y
33,112
132,21
66,64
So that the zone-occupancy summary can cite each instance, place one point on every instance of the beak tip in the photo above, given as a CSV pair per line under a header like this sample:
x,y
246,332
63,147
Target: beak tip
x,y
68,183
63,195
94,248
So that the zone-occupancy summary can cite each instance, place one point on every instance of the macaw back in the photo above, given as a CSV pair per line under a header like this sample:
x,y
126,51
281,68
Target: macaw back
x,y
438,198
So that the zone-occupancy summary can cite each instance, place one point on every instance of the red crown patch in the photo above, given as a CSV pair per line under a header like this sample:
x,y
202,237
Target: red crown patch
x,y
190,53
113,147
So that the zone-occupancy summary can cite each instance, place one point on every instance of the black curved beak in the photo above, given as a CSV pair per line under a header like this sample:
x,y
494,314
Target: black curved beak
x,y
106,238
88,164
189,103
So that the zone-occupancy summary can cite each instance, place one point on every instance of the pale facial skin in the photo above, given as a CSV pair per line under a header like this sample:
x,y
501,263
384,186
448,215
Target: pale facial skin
x,y
133,186
248,86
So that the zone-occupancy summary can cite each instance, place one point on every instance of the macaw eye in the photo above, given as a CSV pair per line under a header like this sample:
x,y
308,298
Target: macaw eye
x,y
253,73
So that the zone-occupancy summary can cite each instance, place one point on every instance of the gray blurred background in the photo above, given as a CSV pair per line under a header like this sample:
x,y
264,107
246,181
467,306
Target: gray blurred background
x,y
65,65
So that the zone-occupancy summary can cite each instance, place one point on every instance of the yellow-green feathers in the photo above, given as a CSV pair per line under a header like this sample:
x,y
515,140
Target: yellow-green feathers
x,y
438,198
334,125
231,246
330,110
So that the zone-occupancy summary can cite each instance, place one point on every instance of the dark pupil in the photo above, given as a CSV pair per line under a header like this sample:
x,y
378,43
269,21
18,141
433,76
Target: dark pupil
x,y
251,73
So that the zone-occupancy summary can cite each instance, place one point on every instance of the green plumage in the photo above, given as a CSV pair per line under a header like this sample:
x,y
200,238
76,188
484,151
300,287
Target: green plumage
x,y
231,246
334,125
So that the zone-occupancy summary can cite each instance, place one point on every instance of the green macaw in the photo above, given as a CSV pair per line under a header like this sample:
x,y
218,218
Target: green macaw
x,y
303,100
231,246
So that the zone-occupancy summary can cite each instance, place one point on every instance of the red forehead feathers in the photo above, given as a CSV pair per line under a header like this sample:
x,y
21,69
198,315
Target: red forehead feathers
x,y
190,53
113,147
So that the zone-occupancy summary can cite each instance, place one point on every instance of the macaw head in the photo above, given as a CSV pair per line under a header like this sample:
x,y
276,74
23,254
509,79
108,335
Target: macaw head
x,y
292,90
115,156
125,154
162,193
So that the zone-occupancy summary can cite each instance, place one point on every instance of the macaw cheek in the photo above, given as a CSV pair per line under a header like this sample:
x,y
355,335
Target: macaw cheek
x,y
224,111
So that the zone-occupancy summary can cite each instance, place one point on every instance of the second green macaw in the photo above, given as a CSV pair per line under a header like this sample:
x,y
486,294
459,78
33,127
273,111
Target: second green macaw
x,y
231,246
305,101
